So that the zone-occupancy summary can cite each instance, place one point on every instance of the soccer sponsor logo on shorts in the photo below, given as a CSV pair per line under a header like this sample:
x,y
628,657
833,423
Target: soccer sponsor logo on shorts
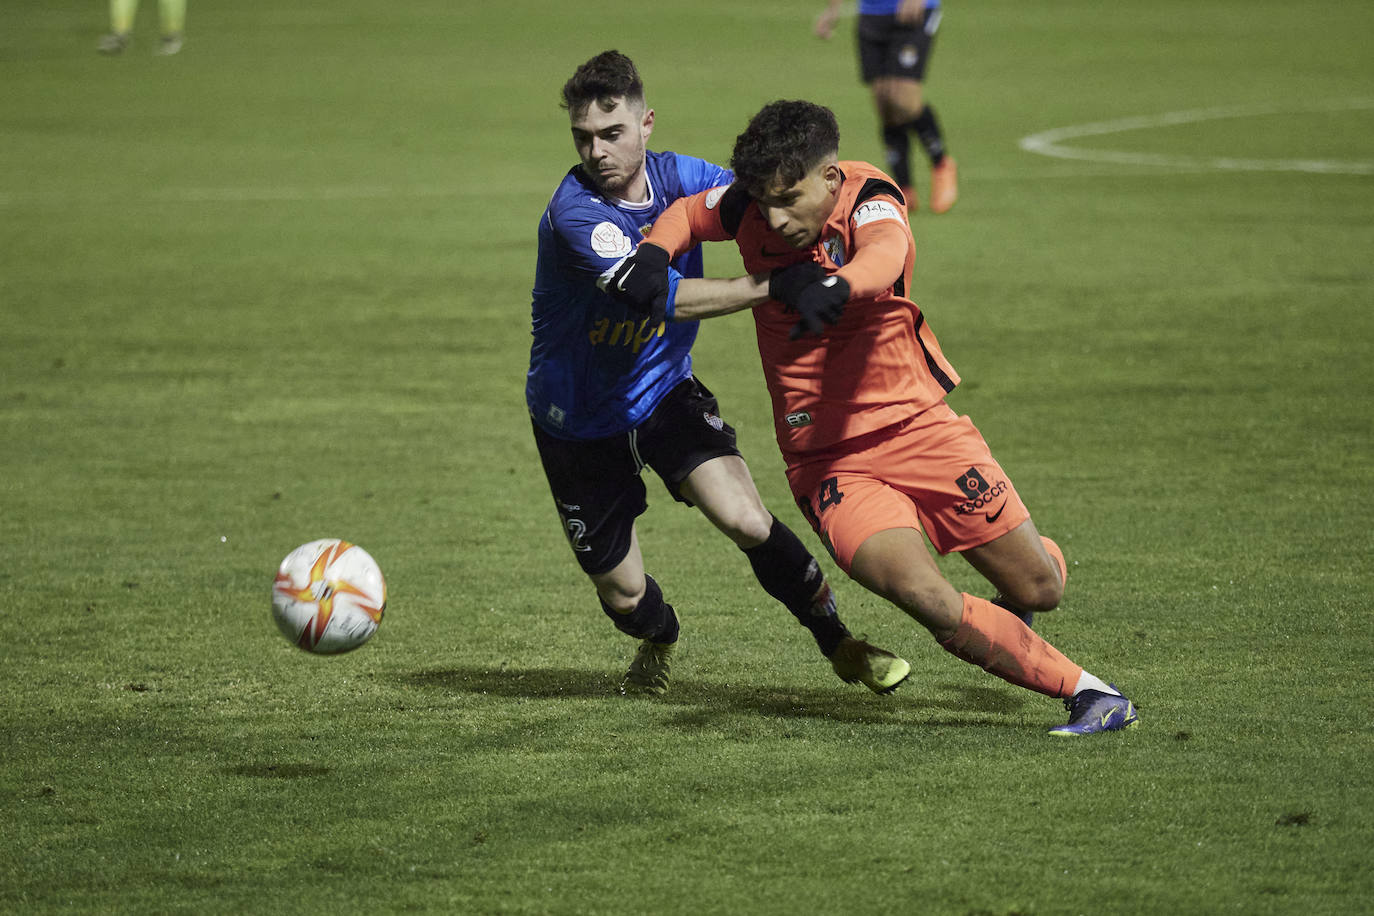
x,y
981,496
972,483
713,421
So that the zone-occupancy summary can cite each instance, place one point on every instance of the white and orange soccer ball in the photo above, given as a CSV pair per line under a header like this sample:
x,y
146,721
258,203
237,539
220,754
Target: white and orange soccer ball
x,y
329,596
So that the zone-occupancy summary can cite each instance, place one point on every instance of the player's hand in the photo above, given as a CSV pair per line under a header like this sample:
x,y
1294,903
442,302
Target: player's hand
x,y
825,23
911,12
639,281
820,304
786,283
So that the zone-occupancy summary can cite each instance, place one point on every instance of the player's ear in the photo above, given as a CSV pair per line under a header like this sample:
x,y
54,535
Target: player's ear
x,y
646,126
833,175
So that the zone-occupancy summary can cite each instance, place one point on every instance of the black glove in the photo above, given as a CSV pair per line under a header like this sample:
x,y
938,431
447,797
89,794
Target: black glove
x,y
786,283
639,281
820,304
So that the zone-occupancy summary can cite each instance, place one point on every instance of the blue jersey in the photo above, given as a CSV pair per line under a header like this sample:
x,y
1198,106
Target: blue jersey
x,y
888,7
596,367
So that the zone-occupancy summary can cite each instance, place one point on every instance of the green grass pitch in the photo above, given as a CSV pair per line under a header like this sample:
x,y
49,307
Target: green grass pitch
x,y
276,288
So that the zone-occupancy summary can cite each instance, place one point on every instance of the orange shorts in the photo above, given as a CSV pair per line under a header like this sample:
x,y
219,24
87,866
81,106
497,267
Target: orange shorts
x,y
932,472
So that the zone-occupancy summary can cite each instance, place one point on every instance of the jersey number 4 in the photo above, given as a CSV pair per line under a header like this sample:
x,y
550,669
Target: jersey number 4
x,y
827,495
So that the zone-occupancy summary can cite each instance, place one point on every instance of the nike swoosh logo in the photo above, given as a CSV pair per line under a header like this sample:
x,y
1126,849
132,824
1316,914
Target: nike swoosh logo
x,y
996,515
1125,713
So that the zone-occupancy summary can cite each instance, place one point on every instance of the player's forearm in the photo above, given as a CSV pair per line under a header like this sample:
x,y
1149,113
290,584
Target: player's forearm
x,y
879,259
825,22
708,298
672,231
688,222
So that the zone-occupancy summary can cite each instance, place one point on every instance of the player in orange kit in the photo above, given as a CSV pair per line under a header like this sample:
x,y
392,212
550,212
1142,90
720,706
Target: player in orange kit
x,y
874,455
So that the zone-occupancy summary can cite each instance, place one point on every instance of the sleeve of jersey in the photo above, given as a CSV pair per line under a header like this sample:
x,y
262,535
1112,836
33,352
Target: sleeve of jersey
x,y
880,248
700,175
595,243
688,221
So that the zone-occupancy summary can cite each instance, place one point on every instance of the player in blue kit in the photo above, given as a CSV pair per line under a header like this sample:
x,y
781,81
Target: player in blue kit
x,y
895,39
611,391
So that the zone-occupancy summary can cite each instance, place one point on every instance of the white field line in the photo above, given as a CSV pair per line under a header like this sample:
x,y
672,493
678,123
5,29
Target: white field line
x,y
1045,143
1051,142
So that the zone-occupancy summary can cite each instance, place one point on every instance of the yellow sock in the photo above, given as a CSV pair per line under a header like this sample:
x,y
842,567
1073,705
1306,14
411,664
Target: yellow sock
x,y
173,14
122,16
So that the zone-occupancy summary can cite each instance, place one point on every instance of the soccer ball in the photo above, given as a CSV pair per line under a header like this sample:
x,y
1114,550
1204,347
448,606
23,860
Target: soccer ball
x,y
329,596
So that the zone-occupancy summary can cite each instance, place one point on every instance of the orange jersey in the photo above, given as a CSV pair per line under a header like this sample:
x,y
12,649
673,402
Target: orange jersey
x,y
881,363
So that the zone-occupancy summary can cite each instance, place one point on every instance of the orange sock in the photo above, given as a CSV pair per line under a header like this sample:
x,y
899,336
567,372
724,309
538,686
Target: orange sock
x,y
1001,644
1058,556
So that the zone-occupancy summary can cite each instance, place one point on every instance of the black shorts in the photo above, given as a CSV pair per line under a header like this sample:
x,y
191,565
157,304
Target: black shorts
x,y
596,483
889,49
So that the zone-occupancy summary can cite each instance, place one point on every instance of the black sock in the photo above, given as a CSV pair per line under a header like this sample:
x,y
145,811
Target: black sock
x,y
789,573
927,130
898,144
652,618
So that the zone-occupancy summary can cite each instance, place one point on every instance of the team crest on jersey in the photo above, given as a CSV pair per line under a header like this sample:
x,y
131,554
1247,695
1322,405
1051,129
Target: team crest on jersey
x,y
834,249
645,229
610,242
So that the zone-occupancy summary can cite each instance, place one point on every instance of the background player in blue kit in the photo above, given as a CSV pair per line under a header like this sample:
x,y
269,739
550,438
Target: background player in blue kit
x,y
611,391
895,39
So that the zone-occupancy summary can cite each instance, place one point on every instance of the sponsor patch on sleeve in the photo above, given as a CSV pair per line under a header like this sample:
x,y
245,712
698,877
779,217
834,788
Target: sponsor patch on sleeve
x,y
610,242
872,211
714,195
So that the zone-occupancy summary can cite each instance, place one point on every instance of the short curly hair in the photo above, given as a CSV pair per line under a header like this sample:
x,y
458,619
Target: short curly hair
x,y
606,77
784,141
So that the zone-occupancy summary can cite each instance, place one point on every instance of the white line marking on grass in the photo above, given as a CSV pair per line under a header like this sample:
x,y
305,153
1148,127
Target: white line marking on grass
x,y
1051,142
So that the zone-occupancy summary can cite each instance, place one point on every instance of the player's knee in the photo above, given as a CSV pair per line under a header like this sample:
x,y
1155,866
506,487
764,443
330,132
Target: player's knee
x,y
1040,594
747,525
618,600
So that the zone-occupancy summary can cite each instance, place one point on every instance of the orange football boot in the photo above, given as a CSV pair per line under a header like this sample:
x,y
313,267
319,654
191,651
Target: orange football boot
x,y
944,185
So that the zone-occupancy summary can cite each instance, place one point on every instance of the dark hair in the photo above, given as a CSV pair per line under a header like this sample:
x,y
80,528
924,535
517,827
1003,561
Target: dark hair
x,y
606,77
785,140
